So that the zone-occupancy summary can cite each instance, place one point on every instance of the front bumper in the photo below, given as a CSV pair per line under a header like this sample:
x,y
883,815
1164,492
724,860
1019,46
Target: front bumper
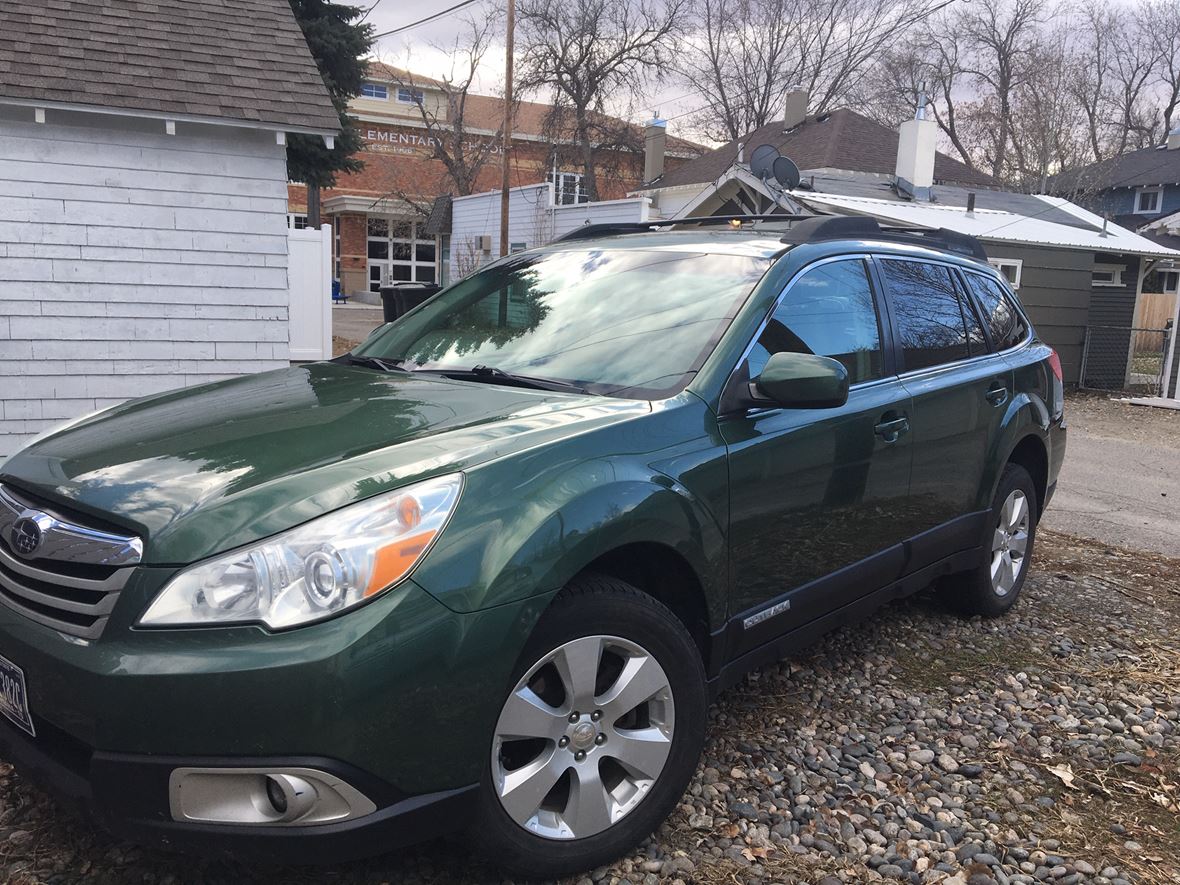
x,y
397,698
126,794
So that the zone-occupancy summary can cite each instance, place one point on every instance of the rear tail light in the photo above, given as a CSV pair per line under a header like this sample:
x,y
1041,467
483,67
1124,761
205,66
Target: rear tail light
x,y
1058,384
1055,365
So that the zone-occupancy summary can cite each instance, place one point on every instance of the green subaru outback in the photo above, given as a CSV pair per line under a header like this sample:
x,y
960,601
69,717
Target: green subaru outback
x,y
488,569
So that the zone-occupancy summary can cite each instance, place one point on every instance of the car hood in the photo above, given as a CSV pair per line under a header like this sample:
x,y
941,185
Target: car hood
x,y
198,471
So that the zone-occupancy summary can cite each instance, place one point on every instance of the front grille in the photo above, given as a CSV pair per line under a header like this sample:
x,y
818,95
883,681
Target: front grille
x,y
72,579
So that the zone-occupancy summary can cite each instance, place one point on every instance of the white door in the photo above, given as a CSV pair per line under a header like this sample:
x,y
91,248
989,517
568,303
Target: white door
x,y
397,253
309,281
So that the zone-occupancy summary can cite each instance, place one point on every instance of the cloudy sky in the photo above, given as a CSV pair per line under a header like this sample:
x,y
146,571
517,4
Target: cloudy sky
x,y
418,49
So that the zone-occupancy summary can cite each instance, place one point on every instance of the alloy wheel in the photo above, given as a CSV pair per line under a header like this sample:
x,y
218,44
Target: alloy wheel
x,y
583,737
1010,542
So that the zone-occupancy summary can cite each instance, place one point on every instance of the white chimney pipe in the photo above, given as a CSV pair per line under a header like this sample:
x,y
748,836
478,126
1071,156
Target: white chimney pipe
x,y
655,140
915,152
795,111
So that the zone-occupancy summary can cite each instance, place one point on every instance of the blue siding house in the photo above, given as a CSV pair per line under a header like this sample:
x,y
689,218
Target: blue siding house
x,y
1133,189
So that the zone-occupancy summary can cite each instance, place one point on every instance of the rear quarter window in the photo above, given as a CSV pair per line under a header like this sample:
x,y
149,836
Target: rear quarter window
x,y
1004,322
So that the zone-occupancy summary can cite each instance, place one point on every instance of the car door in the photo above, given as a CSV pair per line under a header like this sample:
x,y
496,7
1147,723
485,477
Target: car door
x,y
959,390
814,492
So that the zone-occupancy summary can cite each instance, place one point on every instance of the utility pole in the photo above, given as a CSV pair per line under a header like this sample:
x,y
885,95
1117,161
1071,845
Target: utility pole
x,y
507,143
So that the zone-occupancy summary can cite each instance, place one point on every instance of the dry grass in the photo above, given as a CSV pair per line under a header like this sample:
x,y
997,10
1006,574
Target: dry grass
x,y
342,345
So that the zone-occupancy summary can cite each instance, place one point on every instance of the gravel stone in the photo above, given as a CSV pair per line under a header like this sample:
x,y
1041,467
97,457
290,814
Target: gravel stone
x,y
915,747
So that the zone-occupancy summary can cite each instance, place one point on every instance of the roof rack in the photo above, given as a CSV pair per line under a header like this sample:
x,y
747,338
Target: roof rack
x,y
589,231
859,227
804,229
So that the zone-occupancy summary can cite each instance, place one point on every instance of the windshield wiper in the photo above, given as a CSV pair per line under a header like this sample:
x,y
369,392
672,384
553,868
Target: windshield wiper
x,y
492,375
374,363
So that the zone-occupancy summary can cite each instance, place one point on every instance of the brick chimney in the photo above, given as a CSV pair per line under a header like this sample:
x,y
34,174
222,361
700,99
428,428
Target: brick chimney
x,y
655,139
1174,139
915,154
795,111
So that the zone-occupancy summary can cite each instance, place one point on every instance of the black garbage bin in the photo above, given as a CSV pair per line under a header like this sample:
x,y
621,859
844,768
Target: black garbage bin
x,y
402,297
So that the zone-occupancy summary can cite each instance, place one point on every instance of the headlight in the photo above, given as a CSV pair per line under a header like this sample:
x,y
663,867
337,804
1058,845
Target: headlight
x,y
315,571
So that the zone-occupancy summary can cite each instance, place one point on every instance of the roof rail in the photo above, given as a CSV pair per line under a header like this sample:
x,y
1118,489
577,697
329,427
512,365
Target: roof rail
x,y
589,231
861,227
804,229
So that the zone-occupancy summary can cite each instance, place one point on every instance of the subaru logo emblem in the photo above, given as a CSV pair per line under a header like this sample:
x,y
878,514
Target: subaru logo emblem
x,y
26,536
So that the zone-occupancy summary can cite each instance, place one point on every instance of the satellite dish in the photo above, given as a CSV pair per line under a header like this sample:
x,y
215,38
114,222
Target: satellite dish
x,y
762,160
785,172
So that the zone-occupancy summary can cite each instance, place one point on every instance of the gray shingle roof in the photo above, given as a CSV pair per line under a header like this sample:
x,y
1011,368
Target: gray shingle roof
x,y
229,59
842,139
1153,165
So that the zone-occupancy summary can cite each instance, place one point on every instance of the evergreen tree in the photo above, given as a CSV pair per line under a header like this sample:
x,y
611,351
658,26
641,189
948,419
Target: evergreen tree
x,y
339,39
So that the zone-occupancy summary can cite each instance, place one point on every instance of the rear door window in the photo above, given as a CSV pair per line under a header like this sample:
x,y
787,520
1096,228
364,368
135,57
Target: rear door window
x,y
930,313
1002,319
828,311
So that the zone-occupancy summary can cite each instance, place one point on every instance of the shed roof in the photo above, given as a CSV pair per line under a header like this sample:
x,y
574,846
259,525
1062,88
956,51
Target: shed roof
x,y
842,139
235,60
996,224
955,195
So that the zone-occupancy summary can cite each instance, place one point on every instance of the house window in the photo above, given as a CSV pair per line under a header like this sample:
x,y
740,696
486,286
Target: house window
x,y
567,188
397,254
1166,281
375,90
1108,275
296,221
517,247
1010,269
1148,200
1171,282
409,96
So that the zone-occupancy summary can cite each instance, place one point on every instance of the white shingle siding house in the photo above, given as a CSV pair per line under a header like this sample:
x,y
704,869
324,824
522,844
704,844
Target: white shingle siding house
x,y
145,248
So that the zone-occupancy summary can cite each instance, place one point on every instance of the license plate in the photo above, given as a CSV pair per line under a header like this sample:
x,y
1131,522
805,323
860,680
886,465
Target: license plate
x,y
14,700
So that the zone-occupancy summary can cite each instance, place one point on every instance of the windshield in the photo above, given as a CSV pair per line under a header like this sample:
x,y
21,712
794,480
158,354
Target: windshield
x,y
624,322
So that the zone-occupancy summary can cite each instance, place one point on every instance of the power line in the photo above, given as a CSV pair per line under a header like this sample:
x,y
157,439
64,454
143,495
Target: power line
x,y
426,20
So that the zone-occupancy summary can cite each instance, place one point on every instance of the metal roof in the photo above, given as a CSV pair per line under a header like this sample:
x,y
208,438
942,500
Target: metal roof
x,y
997,224
880,188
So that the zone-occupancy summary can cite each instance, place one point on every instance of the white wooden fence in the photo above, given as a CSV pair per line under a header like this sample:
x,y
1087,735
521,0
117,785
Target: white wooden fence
x,y
309,279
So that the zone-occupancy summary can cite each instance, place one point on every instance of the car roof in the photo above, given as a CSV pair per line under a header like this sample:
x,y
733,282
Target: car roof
x,y
751,243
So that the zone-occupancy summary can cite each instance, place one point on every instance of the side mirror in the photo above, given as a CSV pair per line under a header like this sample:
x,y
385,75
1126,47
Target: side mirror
x,y
803,381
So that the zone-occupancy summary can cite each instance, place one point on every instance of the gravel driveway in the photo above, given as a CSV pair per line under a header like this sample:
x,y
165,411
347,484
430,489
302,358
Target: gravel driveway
x,y
918,747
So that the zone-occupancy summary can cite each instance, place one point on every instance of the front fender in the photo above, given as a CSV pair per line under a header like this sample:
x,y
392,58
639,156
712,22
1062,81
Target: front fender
x,y
512,539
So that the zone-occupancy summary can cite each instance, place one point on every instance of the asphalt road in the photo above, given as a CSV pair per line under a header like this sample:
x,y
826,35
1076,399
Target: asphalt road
x,y
1121,479
354,323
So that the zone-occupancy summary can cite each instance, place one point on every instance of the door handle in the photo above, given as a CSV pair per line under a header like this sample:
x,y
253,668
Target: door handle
x,y
997,394
889,430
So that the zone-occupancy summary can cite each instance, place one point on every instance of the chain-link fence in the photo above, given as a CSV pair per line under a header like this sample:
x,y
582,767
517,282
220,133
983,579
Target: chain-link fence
x,y
1124,358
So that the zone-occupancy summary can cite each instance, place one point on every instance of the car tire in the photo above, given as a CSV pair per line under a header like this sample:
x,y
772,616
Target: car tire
x,y
613,788
993,587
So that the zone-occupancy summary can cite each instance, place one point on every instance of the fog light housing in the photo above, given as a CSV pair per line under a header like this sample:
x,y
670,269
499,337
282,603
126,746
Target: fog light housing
x,y
265,797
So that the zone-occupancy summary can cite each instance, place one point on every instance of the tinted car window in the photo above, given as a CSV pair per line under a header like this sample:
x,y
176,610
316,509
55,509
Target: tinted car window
x,y
929,313
976,340
1003,322
829,311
